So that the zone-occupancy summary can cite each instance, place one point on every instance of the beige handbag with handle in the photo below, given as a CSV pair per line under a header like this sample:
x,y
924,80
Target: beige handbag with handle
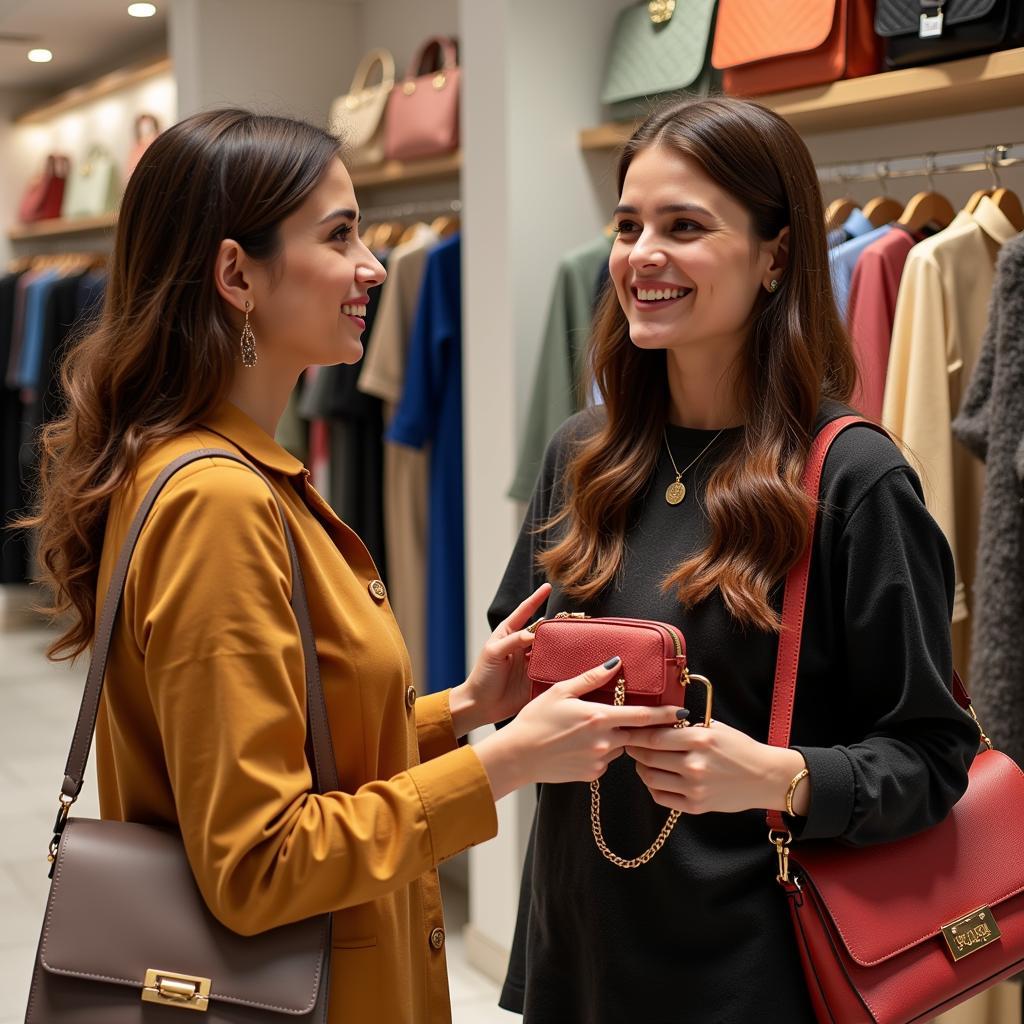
x,y
358,117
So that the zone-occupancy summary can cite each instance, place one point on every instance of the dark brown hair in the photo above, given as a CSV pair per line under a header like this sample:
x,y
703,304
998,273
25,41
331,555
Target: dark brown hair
x,y
163,353
797,353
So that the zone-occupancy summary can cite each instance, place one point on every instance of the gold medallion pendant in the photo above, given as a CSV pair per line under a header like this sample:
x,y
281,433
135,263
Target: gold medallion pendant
x,y
675,493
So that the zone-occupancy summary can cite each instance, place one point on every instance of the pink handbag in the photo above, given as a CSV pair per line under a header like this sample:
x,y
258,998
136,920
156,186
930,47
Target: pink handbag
x,y
422,118
147,128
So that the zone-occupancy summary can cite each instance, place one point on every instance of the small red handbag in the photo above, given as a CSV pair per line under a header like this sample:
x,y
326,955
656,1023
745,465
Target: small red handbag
x,y
653,672
45,193
900,932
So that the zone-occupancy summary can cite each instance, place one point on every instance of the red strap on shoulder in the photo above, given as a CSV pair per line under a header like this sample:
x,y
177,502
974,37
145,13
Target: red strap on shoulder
x,y
795,599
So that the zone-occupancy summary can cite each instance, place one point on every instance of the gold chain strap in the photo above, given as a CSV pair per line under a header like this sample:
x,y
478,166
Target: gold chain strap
x,y
595,811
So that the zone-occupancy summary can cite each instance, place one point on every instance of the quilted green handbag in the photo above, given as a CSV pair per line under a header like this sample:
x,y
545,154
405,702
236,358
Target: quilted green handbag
x,y
659,47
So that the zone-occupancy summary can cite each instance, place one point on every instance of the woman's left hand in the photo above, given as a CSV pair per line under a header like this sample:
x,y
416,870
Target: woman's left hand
x,y
696,770
497,687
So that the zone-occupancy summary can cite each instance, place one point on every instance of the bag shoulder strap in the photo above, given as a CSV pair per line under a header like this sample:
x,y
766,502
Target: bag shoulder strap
x,y
794,604
324,768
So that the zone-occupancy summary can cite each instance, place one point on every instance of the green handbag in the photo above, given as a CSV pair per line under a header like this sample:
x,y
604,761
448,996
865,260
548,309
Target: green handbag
x,y
659,47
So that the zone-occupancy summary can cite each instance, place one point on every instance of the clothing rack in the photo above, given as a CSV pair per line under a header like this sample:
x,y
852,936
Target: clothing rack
x,y
406,211
990,159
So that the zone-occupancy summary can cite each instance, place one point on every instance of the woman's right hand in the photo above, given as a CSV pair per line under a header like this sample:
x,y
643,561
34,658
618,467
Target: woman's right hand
x,y
559,738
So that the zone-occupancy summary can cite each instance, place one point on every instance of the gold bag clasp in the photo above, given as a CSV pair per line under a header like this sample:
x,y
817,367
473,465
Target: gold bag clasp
x,y
184,991
971,932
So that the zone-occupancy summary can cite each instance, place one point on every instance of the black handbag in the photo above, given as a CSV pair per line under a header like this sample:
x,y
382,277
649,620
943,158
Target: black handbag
x,y
925,31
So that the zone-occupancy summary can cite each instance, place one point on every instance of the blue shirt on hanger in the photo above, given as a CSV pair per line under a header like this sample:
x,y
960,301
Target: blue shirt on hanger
x,y
36,295
430,412
843,258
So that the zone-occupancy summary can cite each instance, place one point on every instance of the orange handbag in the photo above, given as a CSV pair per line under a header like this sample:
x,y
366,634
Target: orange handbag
x,y
791,44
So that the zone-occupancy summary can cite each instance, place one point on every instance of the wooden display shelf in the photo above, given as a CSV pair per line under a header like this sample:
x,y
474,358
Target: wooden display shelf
x,y
398,172
68,226
95,90
990,82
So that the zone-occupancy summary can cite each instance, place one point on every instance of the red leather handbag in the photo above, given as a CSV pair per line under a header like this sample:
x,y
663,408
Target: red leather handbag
x,y
903,931
653,672
44,196
793,44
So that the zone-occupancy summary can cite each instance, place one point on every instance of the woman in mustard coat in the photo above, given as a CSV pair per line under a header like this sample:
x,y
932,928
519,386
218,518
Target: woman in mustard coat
x,y
237,264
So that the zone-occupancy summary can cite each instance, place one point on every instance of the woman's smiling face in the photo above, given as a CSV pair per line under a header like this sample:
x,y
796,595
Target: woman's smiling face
x,y
686,265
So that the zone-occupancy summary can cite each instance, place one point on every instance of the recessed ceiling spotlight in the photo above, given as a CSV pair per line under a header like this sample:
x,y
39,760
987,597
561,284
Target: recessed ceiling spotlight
x,y
142,10
40,56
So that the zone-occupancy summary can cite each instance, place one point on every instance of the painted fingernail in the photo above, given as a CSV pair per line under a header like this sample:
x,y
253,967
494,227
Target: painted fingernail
x,y
612,662
683,714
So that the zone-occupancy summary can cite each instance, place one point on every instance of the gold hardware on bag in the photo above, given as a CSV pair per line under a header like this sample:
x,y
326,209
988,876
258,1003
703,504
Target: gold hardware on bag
x,y
183,991
781,841
661,11
532,628
981,728
970,933
409,88
440,80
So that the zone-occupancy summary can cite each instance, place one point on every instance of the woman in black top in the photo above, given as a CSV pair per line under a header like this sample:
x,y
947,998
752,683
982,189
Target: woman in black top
x,y
719,353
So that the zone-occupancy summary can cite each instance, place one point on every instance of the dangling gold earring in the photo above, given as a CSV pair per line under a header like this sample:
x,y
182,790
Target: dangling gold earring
x,y
248,343
774,286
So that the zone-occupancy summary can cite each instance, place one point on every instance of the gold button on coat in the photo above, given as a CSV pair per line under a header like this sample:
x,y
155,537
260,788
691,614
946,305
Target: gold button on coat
x,y
410,696
437,938
377,590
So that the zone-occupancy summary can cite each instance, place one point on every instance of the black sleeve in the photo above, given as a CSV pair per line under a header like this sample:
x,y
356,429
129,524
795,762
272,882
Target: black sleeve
x,y
893,574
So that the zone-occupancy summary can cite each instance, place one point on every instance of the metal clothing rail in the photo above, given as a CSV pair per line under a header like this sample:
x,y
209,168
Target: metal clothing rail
x,y
401,211
991,159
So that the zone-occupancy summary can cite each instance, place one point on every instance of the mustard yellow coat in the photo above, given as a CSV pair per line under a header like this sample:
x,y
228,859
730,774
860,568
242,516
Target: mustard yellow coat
x,y
203,724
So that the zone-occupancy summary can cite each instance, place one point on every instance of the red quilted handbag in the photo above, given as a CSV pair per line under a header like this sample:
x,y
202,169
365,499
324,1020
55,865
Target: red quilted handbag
x,y
903,931
653,672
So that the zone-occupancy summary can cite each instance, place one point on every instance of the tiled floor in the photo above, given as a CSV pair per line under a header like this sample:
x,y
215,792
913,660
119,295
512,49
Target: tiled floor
x,y
38,703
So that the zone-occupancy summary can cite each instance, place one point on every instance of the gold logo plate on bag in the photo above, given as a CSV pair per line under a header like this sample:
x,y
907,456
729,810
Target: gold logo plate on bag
x,y
183,991
970,933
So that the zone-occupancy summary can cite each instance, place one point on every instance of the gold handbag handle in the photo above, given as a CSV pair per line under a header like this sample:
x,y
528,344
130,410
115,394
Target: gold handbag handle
x,y
595,788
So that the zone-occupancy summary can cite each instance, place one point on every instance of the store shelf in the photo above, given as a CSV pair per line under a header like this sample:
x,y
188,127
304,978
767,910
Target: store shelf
x,y
397,172
97,89
68,227
990,82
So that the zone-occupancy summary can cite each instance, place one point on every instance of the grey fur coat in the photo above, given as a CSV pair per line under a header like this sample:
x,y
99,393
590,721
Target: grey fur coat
x,y
991,424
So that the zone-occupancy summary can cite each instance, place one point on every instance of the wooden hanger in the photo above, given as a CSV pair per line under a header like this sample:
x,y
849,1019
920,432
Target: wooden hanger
x,y
882,210
927,208
446,225
410,232
837,212
1009,205
976,197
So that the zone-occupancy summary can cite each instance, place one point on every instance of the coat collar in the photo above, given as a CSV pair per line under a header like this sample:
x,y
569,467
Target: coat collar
x,y
994,222
233,425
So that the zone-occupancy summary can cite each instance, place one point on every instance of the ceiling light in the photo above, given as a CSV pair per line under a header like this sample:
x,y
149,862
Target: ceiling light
x,y
142,10
40,56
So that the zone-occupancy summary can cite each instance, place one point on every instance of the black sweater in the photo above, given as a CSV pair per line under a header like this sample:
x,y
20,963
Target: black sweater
x,y
701,933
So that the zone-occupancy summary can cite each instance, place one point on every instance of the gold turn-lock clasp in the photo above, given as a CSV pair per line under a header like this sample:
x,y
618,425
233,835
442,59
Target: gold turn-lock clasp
x,y
184,991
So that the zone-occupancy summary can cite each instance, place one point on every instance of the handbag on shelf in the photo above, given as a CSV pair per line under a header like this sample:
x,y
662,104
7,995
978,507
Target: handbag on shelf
x,y
658,48
903,931
147,128
924,31
44,196
422,118
653,672
357,118
92,189
126,928
793,44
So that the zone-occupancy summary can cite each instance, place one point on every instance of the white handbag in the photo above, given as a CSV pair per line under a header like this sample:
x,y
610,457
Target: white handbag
x,y
92,188
358,117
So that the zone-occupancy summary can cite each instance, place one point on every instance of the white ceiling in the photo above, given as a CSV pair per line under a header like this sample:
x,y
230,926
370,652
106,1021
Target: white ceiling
x,y
86,37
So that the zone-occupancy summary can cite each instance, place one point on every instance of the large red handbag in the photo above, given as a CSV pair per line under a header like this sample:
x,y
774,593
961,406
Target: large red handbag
x,y
44,196
793,44
902,931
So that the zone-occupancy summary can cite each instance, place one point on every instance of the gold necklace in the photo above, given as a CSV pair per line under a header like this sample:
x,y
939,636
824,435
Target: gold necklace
x,y
677,491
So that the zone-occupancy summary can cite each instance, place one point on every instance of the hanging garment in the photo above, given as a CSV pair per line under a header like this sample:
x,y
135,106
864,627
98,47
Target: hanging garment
x,y
355,428
874,289
406,470
843,260
430,412
13,495
941,314
991,424
554,397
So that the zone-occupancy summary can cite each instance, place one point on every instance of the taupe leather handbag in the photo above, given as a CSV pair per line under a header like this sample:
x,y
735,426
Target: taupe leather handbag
x,y
127,938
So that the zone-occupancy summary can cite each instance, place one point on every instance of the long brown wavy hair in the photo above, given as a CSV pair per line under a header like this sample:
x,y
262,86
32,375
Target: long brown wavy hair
x,y
797,352
163,353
